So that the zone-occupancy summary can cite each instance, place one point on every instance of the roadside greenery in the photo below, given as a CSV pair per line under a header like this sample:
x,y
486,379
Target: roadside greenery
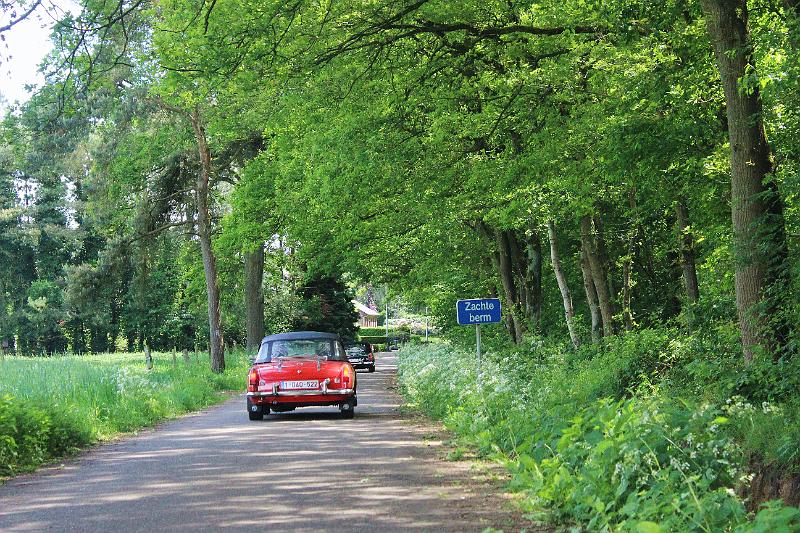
x,y
50,407
624,175
624,436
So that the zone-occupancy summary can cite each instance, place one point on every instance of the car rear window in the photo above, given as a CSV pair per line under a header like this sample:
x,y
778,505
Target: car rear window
x,y
300,348
356,350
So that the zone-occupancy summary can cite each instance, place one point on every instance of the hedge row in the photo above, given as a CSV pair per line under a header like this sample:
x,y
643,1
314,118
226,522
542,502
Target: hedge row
x,y
373,339
373,332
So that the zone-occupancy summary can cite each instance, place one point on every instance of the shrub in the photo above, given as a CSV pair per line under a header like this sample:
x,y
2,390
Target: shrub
x,y
8,429
372,332
610,436
373,339
30,435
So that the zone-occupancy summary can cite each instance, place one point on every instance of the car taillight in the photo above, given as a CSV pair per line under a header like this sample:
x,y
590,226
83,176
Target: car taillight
x,y
346,375
252,380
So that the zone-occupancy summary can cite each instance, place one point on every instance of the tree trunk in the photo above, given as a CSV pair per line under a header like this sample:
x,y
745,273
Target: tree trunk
x,y
216,346
686,247
627,314
114,329
591,294
569,312
501,260
507,280
533,278
627,265
602,255
759,238
520,270
672,306
598,274
254,297
78,337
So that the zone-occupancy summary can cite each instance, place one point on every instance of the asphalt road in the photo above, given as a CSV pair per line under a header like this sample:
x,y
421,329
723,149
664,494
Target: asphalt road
x,y
307,470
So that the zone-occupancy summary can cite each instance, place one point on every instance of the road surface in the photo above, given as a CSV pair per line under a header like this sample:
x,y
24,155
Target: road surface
x,y
307,470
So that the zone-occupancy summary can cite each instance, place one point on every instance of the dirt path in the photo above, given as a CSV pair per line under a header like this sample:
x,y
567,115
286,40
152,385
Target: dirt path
x,y
307,470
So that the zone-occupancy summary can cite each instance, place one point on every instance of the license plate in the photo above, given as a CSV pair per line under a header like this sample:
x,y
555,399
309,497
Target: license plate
x,y
296,385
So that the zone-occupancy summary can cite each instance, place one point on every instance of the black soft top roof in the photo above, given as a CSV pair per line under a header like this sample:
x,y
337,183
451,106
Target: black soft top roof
x,y
301,335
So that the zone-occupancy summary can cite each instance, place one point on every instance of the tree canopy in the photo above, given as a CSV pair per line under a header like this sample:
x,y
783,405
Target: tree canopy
x,y
450,150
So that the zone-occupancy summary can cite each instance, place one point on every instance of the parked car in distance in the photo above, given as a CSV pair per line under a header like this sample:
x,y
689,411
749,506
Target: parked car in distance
x,y
360,355
301,369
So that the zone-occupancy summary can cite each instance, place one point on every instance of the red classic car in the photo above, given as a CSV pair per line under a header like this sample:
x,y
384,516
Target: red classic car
x,y
300,369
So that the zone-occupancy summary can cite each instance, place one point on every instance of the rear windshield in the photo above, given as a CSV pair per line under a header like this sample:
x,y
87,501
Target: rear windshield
x,y
356,350
301,348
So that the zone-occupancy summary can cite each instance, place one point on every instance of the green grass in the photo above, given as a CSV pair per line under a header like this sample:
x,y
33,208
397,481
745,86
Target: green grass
x,y
52,406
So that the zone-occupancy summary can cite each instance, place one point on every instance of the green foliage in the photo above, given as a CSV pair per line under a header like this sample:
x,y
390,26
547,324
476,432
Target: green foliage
x,y
373,339
54,406
44,314
774,518
327,306
375,140
401,333
374,332
623,462
604,437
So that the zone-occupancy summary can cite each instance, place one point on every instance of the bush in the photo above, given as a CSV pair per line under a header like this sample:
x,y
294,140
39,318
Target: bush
x,y
609,436
372,332
30,435
373,339
620,463
400,333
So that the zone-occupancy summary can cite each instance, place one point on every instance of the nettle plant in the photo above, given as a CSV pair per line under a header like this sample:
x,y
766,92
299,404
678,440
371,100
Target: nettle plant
x,y
618,464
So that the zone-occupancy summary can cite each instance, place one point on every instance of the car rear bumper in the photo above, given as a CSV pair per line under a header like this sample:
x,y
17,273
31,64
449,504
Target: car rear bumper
x,y
302,398
294,393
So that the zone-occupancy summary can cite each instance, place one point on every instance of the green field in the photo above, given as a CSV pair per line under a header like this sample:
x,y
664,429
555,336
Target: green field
x,y
50,407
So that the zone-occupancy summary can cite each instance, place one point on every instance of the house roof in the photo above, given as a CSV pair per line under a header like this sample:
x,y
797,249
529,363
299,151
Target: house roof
x,y
361,308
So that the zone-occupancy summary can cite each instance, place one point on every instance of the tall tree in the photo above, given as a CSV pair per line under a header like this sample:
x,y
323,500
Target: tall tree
x,y
759,237
563,287
687,253
216,343
589,239
254,296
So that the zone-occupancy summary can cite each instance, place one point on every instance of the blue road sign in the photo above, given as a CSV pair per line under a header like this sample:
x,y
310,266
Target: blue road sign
x,y
478,311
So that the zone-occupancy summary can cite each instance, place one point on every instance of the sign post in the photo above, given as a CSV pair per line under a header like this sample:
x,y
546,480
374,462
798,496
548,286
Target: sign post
x,y
426,325
478,344
478,311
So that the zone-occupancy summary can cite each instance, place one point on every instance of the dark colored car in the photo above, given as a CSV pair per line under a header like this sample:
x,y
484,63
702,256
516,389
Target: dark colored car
x,y
360,355
300,369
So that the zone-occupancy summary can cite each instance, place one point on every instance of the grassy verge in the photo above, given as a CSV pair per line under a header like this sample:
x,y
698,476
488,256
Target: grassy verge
x,y
614,438
50,407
